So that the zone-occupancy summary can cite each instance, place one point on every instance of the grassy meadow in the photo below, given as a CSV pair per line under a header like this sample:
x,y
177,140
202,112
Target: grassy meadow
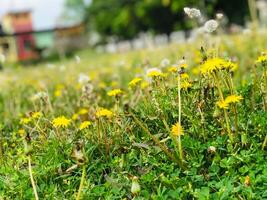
x,y
183,121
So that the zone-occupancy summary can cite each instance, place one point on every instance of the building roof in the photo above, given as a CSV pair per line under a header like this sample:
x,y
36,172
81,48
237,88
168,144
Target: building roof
x,y
62,28
18,11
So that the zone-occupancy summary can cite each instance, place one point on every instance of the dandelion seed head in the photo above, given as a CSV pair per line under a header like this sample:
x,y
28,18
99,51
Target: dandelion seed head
x,y
165,62
192,12
211,26
83,79
219,16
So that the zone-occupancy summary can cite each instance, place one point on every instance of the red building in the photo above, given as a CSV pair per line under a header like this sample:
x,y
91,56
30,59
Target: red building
x,y
21,25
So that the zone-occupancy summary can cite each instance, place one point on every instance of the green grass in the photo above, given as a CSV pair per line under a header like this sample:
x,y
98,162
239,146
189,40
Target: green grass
x,y
137,140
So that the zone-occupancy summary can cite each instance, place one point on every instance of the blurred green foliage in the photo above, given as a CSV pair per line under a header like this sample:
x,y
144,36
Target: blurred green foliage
x,y
127,18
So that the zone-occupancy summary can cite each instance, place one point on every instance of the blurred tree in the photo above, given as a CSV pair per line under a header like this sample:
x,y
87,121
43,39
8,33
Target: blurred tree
x,y
126,18
75,10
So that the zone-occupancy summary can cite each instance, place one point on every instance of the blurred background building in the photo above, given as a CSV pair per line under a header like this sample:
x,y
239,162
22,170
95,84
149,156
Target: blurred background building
x,y
25,33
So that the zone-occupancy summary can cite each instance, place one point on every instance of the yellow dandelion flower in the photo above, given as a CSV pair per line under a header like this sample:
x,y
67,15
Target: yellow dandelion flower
x,y
215,64
84,125
114,83
61,121
231,66
58,93
183,65
195,71
233,99
21,132
115,92
102,112
177,129
83,111
262,59
75,116
154,74
102,85
60,86
36,115
25,120
134,82
185,85
144,84
222,104
184,76
78,86
173,69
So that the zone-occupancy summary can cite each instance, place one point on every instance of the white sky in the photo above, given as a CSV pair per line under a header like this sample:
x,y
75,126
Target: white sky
x,y
45,12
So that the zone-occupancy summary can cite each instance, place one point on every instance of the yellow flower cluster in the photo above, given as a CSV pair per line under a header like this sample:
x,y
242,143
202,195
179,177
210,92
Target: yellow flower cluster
x,y
61,122
21,132
58,91
36,115
102,112
82,111
115,92
216,64
84,125
173,69
154,74
233,99
134,82
185,85
177,129
25,120
144,84
224,104
262,59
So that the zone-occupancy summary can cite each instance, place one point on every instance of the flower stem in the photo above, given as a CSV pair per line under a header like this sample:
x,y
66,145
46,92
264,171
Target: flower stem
x,y
265,93
81,183
32,180
179,118
224,110
235,109
264,143
163,147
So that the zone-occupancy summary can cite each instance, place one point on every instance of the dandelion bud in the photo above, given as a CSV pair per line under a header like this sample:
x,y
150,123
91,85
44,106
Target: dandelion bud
x,y
135,189
212,149
211,25
247,181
